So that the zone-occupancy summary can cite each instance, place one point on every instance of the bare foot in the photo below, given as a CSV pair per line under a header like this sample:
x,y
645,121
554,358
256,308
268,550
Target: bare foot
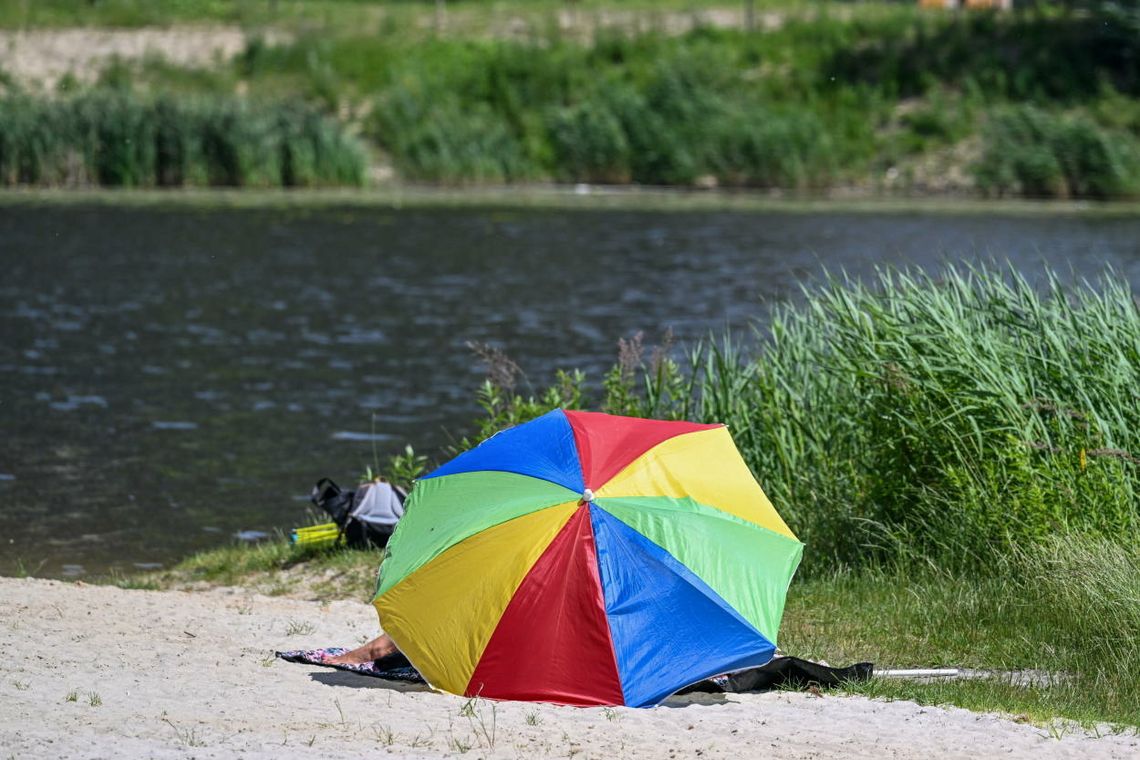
x,y
374,650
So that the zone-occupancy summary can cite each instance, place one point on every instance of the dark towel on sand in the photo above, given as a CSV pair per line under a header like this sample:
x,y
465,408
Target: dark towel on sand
x,y
780,672
394,667
787,672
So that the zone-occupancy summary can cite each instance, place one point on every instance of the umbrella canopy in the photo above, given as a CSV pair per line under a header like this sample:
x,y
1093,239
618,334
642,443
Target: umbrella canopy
x,y
587,559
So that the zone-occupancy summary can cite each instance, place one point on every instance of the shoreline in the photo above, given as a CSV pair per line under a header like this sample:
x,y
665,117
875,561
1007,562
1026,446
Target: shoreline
x,y
554,197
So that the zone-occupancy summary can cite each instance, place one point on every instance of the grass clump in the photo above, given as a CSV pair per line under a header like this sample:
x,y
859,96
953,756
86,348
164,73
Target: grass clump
x,y
942,419
1054,622
116,138
1031,152
1091,587
275,567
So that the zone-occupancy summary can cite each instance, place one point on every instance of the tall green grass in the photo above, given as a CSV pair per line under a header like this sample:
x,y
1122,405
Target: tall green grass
x,y
650,109
876,97
116,138
947,418
941,418
944,420
1055,622
1031,152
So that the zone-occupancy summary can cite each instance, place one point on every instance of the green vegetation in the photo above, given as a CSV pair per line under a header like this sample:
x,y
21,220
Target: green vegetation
x,y
116,138
955,450
943,420
1029,152
959,453
819,102
288,13
273,567
876,97
1062,613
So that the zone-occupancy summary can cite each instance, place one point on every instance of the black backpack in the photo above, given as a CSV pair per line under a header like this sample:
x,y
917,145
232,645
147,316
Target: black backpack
x,y
356,529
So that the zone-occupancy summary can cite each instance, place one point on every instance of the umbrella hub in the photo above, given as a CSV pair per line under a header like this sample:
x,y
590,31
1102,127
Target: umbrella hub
x,y
587,496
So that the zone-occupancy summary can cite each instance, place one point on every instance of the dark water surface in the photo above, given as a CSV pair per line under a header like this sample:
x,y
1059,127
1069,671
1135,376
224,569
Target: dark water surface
x,y
171,379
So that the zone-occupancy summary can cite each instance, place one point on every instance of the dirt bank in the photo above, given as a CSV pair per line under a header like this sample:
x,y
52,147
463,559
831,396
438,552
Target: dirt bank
x,y
41,57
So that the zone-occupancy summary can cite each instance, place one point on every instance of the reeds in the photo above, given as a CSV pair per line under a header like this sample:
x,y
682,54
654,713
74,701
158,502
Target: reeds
x,y
116,138
959,453
809,106
942,420
1031,152
648,109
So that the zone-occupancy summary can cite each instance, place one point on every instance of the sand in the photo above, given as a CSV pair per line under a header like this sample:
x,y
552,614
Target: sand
x,y
92,671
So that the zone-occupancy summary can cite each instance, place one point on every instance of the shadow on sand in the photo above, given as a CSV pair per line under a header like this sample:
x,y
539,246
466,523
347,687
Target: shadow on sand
x,y
354,681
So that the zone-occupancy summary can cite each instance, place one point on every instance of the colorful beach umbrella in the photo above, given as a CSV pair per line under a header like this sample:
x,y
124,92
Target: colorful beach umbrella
x,y
587,559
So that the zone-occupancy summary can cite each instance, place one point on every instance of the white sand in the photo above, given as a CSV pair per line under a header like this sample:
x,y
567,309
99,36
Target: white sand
x,y
183,674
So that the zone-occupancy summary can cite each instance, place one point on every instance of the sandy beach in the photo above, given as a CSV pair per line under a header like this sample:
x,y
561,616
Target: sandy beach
x,y
92,671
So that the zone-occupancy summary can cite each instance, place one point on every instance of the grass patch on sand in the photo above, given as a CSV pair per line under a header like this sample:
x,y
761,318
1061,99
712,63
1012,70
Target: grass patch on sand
x,y
274,567
1056,624
117,138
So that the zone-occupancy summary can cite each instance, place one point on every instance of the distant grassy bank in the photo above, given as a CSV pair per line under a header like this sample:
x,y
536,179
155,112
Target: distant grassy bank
x,y
878,98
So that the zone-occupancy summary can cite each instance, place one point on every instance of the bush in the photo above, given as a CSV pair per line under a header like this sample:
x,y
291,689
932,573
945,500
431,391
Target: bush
x,y
119,139
766,150
432,136
1030,152
945,419
589,144
658,154
1023,56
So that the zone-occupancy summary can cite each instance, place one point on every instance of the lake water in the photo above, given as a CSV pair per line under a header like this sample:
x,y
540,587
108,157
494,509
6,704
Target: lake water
x,y
172,380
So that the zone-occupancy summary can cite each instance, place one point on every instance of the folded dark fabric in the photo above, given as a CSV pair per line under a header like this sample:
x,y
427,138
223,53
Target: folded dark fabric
x,y
782,672
394,667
